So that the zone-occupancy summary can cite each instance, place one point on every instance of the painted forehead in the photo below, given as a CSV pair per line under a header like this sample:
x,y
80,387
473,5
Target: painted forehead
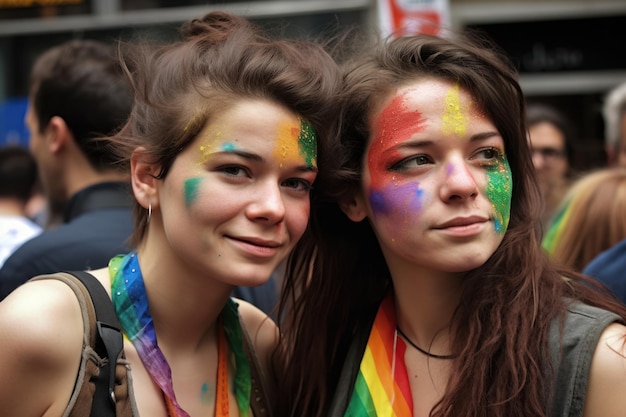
x,y
403,113
295,141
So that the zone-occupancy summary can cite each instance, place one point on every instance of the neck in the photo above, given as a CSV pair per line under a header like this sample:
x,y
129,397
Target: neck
x,y
425,306
183,302
79,174
422,350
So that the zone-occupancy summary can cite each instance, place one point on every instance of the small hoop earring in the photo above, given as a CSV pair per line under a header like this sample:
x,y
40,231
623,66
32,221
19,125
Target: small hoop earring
x,y
149,213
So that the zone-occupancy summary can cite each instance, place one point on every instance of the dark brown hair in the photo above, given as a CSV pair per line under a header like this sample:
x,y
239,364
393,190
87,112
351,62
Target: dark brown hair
x,y
18,173
82,82
336,280
220,59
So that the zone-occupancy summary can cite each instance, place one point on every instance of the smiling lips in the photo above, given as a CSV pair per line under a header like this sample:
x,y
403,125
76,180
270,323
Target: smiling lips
x,y
256,246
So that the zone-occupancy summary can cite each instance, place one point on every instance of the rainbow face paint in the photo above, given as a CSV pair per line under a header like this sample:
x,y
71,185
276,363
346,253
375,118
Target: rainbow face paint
x,y
296,141
307,141
394,125
455,116
499,191
437,183
192,185
191,190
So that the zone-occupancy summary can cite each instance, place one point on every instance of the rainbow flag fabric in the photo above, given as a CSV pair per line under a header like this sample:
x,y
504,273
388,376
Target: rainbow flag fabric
x,y
382,385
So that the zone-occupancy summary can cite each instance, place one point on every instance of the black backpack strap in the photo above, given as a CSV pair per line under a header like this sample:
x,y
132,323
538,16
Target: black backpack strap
x,y
110,342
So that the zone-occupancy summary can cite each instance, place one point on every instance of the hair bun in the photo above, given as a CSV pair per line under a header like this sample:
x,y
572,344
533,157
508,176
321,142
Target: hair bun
x,y
215,26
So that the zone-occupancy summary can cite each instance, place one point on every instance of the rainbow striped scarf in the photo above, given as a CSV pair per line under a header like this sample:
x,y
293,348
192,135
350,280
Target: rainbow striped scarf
x,y
131,305
382,385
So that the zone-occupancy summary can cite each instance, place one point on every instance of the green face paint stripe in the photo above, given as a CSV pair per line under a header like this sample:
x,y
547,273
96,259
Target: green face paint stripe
x,y
499,191
191,190
307,142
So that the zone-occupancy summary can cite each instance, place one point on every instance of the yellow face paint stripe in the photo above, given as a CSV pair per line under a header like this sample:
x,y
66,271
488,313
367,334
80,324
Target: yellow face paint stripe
x,y
454,117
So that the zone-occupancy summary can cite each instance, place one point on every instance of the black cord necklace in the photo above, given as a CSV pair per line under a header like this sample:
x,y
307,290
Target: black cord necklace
x,y
425,352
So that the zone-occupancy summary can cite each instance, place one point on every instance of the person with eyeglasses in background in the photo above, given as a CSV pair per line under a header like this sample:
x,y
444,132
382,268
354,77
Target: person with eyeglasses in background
x,y
551,137
614,115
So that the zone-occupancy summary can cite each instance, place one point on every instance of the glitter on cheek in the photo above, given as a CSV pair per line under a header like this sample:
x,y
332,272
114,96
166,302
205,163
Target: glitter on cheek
x,y
499,192
454,116
191,190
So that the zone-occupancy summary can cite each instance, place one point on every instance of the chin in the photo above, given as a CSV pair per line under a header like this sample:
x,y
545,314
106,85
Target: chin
x,y
251,280
464,264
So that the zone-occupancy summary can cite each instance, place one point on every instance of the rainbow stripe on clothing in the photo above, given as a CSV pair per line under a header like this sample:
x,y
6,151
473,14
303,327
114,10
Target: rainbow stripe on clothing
x,y
556,228
382,386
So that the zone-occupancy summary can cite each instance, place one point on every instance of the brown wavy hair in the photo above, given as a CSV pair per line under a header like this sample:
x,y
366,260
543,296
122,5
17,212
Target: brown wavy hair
x,y
337,277
220,59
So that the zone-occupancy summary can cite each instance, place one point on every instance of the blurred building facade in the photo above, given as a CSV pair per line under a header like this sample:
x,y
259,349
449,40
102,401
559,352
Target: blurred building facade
x,y
567,51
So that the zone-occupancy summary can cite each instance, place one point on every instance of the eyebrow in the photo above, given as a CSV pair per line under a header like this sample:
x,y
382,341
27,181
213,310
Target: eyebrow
x,y
257,158
427,142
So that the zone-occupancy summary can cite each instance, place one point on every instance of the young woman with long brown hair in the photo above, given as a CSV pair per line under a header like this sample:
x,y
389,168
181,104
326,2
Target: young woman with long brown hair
x,y
425,291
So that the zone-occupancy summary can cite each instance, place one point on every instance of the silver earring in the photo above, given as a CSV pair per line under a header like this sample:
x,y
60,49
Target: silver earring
x,y
149,213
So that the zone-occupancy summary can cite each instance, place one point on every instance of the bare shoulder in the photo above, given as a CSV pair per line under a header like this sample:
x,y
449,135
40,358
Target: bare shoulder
x,y
102,275
261,328
41,328
607,380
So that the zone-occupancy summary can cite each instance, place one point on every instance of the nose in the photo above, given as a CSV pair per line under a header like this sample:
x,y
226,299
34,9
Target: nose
x,y
459,184
267,204
538,161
